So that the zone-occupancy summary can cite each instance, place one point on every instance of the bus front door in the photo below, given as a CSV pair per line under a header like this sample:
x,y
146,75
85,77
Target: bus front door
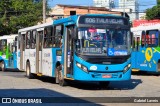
x,y
135,52
39,52
68,51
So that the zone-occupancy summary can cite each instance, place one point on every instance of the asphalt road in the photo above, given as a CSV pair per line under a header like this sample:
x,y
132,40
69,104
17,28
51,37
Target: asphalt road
x,y
15,84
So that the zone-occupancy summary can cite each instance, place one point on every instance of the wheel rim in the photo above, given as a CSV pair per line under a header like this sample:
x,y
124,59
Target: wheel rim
x,y
27,70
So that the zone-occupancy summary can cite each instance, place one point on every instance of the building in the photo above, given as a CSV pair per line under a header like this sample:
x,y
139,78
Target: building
x,y
133,5
104,3
60,11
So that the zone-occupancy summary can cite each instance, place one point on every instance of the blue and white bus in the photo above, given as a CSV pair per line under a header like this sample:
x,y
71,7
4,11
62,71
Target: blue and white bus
x,y
146,48
8,57
80,47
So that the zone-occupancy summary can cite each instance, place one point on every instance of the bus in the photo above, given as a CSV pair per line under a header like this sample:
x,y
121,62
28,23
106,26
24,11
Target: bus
x,y
91,47
146,48
8,57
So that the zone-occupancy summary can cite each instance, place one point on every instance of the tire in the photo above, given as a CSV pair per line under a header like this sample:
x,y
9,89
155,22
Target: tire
x,y
3,66
28,71
158,66
104,84
59,78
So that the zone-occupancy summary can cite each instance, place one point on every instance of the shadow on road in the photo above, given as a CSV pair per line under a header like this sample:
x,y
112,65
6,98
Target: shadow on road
x,y
114,85
12,70
46,96
145,73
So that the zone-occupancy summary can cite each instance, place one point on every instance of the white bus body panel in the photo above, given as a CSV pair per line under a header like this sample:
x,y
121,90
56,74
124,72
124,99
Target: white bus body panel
x,y
47,62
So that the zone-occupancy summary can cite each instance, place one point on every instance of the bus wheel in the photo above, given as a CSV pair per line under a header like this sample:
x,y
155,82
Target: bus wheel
x,y
28,71
104,84
61,80
158,66
2,66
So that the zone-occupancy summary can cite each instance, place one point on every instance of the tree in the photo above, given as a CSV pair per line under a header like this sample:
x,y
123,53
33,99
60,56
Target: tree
x,y
16,14
158,2
153,13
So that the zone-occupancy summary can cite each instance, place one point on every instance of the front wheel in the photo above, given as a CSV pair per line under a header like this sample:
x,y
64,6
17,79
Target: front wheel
x,y
2,66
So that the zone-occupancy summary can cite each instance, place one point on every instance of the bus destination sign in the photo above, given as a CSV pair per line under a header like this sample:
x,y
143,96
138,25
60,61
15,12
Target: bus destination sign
x,y
102,20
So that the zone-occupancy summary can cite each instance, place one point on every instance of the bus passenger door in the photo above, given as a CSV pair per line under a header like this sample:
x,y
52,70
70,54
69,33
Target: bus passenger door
x,y
22,46
68,50
39,51
135,51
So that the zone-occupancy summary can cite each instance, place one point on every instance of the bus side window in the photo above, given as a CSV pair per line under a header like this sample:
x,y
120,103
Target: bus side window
x,y
58,35
33,39
47,37
152,36
143,39
147,38
28,39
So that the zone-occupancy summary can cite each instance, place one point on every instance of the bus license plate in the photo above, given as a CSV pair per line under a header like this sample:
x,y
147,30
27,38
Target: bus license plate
x,y
106,76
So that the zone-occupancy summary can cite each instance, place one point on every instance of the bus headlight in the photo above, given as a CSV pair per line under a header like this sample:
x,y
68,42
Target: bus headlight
x,y
126,68
84,68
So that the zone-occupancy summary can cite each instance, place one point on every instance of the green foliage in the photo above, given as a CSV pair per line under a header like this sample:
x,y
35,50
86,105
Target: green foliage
x,y
16,14
158,2
153,13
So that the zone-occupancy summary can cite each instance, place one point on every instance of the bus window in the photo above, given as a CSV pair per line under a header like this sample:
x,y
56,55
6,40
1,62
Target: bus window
x,y
28,39
48,37
143,39
58,35
138,41
33,39
15,43
152,38
3,45
134,43
40,34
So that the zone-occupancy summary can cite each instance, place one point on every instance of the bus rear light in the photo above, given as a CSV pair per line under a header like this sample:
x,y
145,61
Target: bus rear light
x,y
84,68
126,68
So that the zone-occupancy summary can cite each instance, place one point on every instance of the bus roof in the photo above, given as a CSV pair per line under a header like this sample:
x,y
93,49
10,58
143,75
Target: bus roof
x,y
75,17
11,36
144,28
35,27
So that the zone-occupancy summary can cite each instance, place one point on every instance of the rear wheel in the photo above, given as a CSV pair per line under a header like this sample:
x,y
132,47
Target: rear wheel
x,y
28,71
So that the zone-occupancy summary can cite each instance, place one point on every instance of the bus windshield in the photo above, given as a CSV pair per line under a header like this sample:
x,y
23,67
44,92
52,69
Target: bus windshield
x,y
108,42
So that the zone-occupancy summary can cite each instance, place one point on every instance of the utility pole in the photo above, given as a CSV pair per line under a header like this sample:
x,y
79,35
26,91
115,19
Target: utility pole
x,y
123,8
44,11
137,9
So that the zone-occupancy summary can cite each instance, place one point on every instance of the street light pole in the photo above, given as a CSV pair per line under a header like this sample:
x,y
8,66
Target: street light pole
x,y
44,11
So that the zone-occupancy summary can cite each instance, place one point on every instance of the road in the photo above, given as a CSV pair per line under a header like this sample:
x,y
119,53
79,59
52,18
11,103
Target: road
x,y
15,84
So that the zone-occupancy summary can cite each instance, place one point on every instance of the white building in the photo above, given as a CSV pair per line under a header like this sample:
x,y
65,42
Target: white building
x,y
133,5
104,3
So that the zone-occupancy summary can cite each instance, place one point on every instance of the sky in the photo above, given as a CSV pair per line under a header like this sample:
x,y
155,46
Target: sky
x,y
143,4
